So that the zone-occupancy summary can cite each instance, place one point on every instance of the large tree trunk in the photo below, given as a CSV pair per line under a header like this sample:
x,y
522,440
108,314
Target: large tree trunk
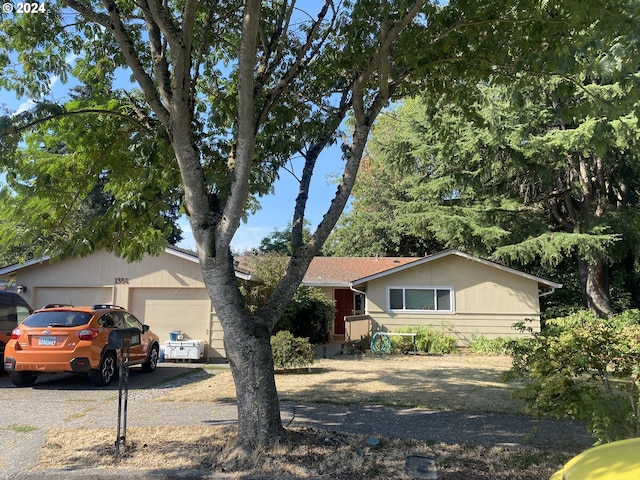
x,y
251,361
248,348
594,277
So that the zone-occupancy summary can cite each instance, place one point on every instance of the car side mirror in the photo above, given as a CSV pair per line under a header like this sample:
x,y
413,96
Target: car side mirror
x,y
145,328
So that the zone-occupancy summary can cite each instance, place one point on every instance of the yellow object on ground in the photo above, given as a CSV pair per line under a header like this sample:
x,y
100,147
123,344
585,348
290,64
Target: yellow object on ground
x,y
612,461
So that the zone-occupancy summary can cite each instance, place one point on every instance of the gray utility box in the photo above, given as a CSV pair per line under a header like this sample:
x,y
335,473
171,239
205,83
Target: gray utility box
x,y
184,350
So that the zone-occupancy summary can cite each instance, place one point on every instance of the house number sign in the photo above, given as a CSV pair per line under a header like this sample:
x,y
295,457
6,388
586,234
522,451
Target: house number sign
x,y
121,281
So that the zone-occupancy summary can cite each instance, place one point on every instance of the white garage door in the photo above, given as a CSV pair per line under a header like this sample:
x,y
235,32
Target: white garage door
x,y
166,310
71,295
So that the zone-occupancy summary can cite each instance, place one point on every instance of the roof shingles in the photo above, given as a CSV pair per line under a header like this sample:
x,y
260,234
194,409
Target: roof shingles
x,y
341,271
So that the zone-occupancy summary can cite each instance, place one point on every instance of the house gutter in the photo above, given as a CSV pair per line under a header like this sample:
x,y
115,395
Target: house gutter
x,y
547,293
357,291
364,306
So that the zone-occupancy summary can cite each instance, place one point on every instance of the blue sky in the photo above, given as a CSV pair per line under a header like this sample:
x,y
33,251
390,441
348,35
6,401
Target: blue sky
x,y
277,209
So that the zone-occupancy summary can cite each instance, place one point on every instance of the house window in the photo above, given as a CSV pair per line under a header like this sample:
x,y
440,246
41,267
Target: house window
x,y
419,299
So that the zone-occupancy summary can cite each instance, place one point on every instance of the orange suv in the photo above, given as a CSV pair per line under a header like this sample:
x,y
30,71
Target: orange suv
x,y
64,338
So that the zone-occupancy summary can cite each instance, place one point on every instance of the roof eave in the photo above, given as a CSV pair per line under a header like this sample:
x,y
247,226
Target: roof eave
x,y
18,266
171,251
446,253
334,284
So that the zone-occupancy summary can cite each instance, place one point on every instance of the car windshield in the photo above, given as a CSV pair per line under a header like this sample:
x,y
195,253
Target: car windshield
x,y
57,319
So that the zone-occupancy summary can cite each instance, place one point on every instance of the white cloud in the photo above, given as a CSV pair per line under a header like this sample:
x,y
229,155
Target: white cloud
x,y
30,103
24,106
53,80
71,57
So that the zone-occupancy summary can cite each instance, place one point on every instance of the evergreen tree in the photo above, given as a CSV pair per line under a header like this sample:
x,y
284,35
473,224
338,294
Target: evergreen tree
x,y
372,227
544,170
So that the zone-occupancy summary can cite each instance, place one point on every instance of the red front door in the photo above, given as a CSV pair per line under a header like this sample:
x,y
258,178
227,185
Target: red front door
x,y
344,307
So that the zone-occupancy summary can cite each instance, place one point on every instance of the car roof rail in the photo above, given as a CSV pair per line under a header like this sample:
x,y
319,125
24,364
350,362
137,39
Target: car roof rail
x,y
57,305
102,306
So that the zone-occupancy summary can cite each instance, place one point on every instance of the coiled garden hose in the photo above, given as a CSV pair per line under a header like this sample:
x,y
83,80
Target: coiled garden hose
x,y
380,343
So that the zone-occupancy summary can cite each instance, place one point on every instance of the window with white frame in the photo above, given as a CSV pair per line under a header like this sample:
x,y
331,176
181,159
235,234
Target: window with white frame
x,y
420,299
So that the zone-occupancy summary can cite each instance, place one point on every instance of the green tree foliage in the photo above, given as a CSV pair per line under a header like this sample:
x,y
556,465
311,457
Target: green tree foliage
x,y
279,241
584,368
542,171
309,313
268,269
88,178
371,226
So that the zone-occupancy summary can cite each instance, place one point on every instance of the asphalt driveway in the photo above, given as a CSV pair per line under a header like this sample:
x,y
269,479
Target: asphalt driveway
x,y
65,401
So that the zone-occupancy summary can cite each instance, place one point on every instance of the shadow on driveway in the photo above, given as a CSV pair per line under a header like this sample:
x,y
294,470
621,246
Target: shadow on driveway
x,y
162,377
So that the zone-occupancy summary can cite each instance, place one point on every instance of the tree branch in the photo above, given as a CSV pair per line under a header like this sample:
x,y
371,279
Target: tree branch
x,y
200,54
114,24
242,157
388,39
164,20
159,57
303,58
297,226
39,121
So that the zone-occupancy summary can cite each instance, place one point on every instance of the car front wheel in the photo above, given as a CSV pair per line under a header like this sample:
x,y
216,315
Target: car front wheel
x,y
105,373
23,379
152,361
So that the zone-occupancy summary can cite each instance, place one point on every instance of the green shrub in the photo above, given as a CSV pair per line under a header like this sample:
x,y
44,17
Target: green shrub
x,y
556,326
427,340
291,352
309,314
626,318
482,345
584,368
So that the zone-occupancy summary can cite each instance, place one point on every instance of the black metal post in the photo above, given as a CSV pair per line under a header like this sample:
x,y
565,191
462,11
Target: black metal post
x,y
123,399
122,339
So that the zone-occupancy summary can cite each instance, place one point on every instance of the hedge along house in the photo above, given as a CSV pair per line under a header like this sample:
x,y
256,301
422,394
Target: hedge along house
x,y
166,291
453,290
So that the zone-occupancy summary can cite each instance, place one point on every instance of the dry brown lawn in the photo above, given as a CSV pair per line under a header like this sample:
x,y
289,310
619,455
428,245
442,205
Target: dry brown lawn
x,y
452,382
306,453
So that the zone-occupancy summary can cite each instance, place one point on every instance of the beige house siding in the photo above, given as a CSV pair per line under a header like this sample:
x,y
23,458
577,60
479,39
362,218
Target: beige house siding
x,y
216,340
328,291
168,309
486,299
166,292
42,295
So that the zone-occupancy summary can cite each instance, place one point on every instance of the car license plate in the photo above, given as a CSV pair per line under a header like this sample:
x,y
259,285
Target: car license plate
x,y
47,341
